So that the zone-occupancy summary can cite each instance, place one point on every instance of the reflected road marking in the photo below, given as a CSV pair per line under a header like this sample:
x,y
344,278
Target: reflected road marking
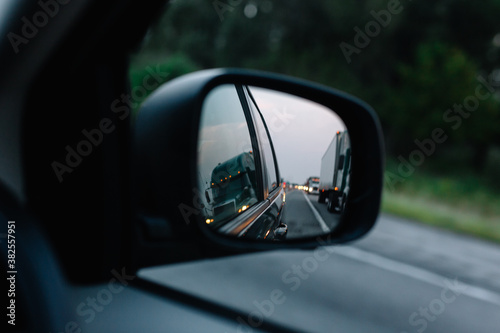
x,y
318,217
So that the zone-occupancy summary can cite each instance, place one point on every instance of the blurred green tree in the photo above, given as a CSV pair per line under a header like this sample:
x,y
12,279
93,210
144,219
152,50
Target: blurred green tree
x,y
421,61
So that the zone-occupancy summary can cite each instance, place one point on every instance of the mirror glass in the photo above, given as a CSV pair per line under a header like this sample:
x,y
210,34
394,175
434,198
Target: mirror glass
x,y
226,165
271,165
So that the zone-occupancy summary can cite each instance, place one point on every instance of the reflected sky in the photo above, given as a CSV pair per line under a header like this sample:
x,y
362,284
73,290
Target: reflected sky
x,y
300,130
224,131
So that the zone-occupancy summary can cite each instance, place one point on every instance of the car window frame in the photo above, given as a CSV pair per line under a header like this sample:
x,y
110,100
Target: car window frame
x,y
264,197
257,113
254,138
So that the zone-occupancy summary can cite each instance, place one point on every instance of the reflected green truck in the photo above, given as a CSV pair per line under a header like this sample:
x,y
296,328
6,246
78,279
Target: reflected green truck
x,y
233,188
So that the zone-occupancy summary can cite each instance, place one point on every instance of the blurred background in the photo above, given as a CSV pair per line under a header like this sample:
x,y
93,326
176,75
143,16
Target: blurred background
x,y
430,69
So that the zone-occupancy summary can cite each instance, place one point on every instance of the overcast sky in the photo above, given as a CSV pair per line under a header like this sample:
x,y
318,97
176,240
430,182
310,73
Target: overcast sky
x,y
301,132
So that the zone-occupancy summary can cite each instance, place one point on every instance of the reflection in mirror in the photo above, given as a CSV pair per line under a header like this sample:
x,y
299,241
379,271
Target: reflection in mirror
x,y
251,136
226,165
311,142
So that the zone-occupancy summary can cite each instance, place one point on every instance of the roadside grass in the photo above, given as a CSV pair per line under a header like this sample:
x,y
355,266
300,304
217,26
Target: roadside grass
x,y
465,205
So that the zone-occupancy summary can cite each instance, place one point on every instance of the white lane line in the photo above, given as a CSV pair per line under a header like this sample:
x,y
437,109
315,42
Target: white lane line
x,y
318,217
417,273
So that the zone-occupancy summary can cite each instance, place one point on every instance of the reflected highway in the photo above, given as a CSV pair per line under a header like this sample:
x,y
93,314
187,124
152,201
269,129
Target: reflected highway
x,y
305,216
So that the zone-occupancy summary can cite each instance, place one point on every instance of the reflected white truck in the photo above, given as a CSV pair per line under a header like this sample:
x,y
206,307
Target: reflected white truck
x,y
312,184
335,173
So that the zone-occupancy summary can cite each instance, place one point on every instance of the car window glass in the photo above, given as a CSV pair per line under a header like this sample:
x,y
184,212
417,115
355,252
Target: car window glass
x,y
266,149
226,167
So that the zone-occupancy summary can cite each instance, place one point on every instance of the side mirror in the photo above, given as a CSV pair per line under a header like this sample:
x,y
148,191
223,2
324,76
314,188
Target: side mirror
x,y
240,135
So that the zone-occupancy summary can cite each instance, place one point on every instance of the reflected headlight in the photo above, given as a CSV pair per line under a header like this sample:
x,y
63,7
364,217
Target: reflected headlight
x,y
208,221
267,234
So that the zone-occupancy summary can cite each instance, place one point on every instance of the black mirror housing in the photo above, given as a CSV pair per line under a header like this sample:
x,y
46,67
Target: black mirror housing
x,y
164,174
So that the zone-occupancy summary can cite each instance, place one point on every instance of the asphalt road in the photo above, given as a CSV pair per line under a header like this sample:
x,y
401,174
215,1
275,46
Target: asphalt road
x,y
402,277
305,216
